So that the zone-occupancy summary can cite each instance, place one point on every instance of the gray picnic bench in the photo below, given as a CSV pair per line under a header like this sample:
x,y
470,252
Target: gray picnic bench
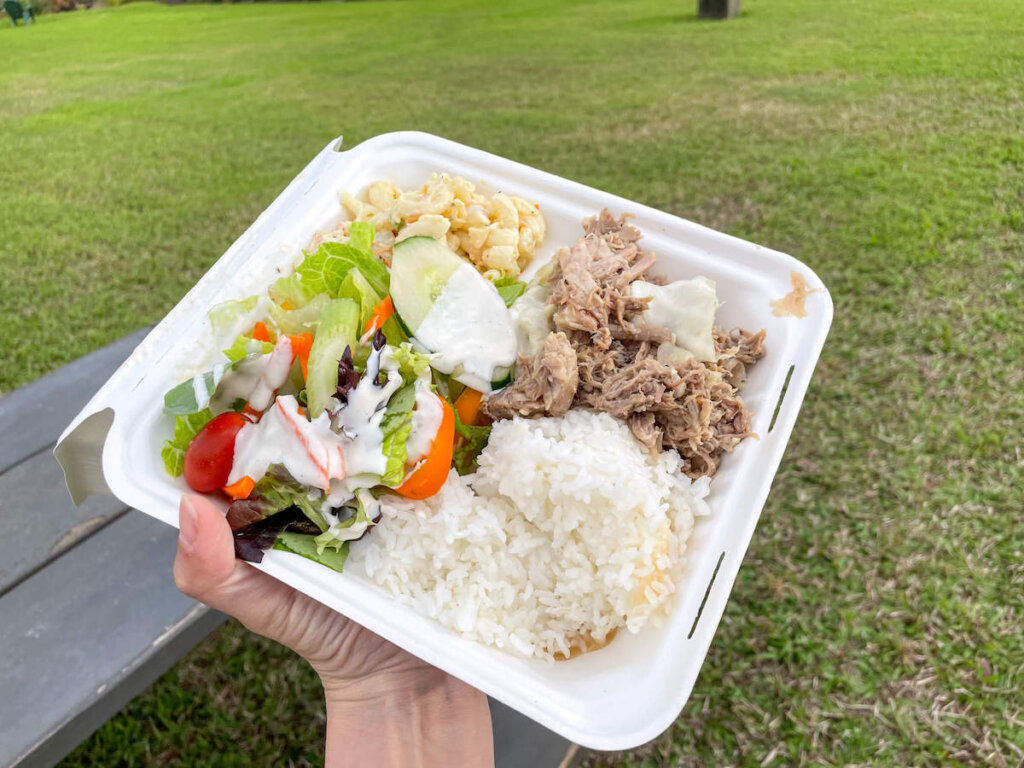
x,y
89,614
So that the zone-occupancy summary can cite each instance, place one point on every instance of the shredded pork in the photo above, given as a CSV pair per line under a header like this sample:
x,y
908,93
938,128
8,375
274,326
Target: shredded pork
x,y
600,334
544,386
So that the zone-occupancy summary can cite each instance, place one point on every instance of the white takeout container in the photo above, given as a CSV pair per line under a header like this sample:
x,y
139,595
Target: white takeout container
x,y
615,698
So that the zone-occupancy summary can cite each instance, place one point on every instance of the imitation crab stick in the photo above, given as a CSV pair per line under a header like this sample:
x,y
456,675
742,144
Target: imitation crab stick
x,y
328,461
429,474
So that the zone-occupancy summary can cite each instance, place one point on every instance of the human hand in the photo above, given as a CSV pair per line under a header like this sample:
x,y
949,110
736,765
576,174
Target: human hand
x,y
403,710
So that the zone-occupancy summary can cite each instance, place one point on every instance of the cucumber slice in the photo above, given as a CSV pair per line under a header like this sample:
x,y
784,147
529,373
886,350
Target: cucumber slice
x,y
502,378
454,312
420,267
339,328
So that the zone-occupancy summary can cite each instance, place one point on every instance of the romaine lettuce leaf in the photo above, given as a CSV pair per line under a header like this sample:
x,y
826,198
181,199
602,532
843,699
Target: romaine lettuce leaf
x,y
324,270
360,235
396,427
229,318
201,390
356,287
509,289
394,332
338,330
467,449
305,545
291,289
305,319
185,428
195,394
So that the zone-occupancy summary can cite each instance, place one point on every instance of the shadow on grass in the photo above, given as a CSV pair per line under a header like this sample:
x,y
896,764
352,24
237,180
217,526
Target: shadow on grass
x,y
681,18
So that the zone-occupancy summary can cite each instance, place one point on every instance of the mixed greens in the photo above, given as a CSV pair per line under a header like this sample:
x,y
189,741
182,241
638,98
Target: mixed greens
x,y
357,375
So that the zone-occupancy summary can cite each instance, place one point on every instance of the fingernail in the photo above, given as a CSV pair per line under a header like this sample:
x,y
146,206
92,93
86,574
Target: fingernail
x,y
188,524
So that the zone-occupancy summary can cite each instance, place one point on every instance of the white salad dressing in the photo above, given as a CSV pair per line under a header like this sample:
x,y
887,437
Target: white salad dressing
x,y
238,382
426,420
351,532
341,491
203,387
532,316
274,375
470,329
360,419
371,506
253,379
311,452
685,307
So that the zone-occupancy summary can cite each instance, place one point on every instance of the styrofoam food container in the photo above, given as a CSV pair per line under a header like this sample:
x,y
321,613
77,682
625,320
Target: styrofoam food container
x,y
614,698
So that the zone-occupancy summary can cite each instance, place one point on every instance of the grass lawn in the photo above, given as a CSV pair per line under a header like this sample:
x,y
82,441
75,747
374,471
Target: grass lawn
x,y
877,620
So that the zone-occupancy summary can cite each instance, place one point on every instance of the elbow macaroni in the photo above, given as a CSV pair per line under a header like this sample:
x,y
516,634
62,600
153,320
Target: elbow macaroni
x,y
497,234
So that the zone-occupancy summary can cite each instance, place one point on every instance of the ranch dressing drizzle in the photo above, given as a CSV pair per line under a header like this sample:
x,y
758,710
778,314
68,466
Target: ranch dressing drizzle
x,y
360,419
426,420
274,375
254,379
371,510
239,382
203,390
469,319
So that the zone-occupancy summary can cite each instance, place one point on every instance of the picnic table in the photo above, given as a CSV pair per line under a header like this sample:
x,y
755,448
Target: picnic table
x,y
89,614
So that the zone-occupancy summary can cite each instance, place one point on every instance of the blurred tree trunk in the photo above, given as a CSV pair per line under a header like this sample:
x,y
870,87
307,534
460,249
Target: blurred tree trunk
x,y
717,9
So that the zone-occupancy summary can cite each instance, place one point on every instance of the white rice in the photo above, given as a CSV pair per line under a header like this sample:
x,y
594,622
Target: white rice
x,y
573,532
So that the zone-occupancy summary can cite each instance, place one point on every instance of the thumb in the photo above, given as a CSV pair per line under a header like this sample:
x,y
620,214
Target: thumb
x,y
205,568
205,563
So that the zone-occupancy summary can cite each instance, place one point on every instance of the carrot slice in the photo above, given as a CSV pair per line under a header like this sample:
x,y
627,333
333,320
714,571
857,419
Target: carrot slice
x,y
467,405
379,316
260,332
301,344
429,474
248,410
241,489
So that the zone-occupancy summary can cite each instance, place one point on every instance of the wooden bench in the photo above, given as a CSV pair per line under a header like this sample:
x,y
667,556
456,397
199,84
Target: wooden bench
x,y
89,614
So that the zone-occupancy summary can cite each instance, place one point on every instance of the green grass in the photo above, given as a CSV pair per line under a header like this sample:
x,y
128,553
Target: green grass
x,y
877,619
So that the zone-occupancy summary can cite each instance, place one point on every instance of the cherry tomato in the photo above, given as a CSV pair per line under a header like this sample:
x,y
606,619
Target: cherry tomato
x,y
209,456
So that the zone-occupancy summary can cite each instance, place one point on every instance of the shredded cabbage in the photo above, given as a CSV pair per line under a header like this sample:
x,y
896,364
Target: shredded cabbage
x,y
411,364
246,345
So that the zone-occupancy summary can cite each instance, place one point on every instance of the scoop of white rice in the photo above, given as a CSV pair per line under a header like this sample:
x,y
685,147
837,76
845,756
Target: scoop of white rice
x,y
567,532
